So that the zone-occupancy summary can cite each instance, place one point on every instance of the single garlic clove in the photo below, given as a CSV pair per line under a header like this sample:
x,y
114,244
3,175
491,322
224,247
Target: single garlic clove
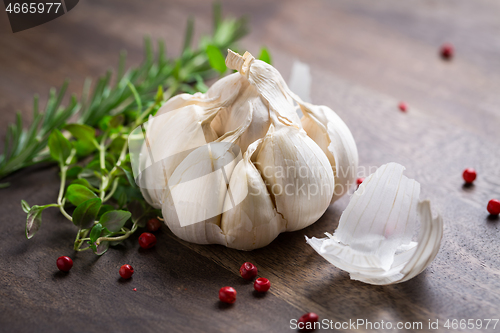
x,y
196,192
229,118
332,135
227,89
297,174
183,100
374,239
168,139
221,94
250,219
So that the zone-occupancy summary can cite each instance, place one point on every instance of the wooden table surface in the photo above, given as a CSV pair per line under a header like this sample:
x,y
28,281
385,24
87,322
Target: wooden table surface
x,y
365,57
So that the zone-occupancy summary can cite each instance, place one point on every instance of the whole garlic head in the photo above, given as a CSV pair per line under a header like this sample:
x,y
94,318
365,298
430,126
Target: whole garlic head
x,y
237,166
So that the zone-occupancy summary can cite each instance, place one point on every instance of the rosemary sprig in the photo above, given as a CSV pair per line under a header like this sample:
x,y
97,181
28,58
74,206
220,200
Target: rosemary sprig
x,y
24,147
97,191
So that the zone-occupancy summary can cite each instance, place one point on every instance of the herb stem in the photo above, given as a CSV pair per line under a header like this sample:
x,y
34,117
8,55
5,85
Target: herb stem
x,y
79,241
119,238
113,189
123,153
64,169
102,161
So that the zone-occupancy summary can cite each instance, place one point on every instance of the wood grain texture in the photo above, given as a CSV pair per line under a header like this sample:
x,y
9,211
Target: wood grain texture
x,y
365,57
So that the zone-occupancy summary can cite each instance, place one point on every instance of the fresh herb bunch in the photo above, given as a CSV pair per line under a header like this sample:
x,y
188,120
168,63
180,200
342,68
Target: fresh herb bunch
x,y
92,153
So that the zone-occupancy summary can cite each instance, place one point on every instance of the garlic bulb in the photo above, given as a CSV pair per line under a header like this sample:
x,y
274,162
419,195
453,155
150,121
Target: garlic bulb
x,y
373,241
234,166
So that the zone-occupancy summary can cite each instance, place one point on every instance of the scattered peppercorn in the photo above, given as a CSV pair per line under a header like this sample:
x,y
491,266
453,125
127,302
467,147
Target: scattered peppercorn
x,y
403,106
359,181
469,175
494,207
227,295
135,289
147,240
153,224
306,322
447,51
262,285
64,263
248,271
126,271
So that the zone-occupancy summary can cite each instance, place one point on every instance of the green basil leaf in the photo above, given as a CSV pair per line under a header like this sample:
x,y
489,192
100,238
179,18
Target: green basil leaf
x,y
110,158
114,220
82,132
117,144
216,58
33,221
83,148
95,233
82,181
116,121
129,176
96,165
74,171
265,56
77,194
136,208
25,206
90,176
104,123
85,213
86,173
104,209
59,146
122,200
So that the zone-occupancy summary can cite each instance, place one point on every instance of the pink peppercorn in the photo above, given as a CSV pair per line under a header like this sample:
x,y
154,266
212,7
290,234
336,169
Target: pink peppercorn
x,y
248,271
227,295
126,271
64,263
262,285
307,321
447,51
403,106
494,207
469,175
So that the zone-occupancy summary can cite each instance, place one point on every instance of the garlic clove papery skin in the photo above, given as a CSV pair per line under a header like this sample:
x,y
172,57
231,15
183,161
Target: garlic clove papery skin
x,y
254,221
297,174
269,83
229,118
333,136
169,138
222,93
374,239
196,191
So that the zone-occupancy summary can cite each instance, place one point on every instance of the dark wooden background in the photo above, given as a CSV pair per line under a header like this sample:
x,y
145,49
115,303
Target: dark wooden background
x,y
365,57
